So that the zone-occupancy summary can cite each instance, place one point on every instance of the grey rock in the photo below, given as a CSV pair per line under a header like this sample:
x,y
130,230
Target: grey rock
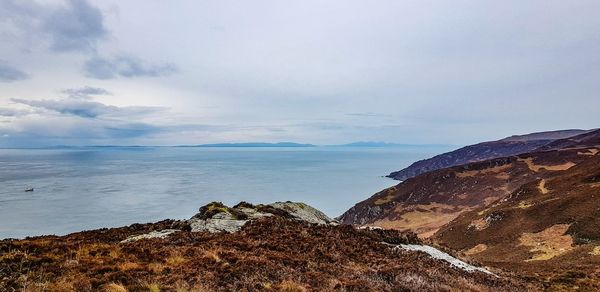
x,y
217,225
154,234
216,217
304,212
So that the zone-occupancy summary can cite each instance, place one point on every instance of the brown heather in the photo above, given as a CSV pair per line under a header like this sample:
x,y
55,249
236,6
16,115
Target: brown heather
x,y
270,254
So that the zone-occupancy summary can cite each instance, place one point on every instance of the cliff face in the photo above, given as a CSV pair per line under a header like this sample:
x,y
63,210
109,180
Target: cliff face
x,y
277,252
513,145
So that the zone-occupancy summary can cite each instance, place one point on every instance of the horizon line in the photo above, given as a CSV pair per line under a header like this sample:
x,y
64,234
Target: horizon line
x,y
247,145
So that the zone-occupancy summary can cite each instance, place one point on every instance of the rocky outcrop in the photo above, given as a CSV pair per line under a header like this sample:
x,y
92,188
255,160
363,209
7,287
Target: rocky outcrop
x,y
303,212
216,217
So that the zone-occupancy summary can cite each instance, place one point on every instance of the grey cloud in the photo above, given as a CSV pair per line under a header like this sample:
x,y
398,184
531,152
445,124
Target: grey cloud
x,y
9,73
88,109
86,92
49,130
9,112
38,133
131,130
75,27
449,72
124,66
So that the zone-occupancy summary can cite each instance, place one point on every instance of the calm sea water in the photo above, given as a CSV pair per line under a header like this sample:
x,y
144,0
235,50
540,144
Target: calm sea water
x,y
87,188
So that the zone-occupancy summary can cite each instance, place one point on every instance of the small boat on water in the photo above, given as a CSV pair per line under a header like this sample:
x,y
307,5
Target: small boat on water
x,y
28,189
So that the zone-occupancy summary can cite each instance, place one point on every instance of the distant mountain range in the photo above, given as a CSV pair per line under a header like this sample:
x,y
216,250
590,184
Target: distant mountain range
x,y
254,144
386,144
263,144
292,144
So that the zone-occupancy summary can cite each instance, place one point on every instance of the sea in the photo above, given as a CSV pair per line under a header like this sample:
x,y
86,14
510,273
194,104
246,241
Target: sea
x,y
95,187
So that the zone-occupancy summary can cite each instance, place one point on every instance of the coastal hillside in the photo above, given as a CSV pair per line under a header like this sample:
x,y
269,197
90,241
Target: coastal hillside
x,y
513,145
278,247
535,214
426,202
547,228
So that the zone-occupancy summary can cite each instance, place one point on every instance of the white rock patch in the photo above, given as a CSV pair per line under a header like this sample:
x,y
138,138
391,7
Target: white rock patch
x,y
154,234
440,255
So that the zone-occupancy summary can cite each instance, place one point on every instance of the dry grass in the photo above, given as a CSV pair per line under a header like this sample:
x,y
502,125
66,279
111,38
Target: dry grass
x,y
489,200
589,152
524,205
129,266
479,224
542,187
495,169
502,176
153,287
156,268
388,197
291,286
537,167
113,287
182,286
175,260
425,220
213,255
595,250
62,285
476,249
384,200
548,243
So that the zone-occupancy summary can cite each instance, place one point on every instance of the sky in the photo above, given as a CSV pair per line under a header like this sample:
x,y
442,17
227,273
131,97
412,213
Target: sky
x,y
139,72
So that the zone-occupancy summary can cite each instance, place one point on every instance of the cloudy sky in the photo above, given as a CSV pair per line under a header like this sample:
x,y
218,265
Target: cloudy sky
x,y
83,72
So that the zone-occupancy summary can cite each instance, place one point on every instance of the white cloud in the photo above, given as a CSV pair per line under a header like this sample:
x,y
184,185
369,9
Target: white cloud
x,y
310,71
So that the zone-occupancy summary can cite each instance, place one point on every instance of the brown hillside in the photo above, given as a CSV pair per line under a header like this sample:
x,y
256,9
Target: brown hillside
x,y
537,214
509,146
425,203
548,228
268,254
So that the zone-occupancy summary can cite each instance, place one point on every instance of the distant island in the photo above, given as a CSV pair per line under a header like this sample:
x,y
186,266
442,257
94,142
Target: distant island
x,y
387,144
292,144
253,144
248,145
